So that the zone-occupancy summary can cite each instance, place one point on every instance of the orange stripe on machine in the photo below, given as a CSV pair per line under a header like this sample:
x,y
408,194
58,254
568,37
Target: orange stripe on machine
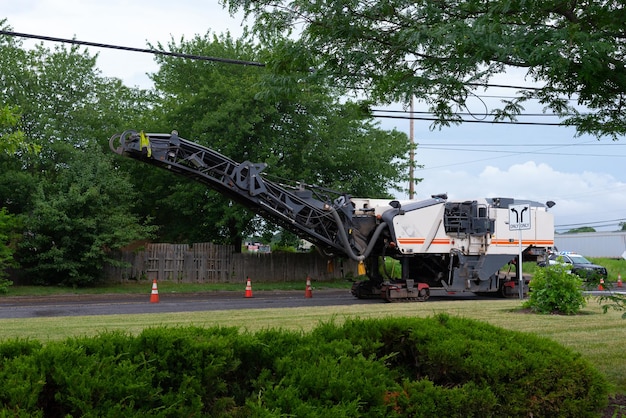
x,y
411,241
420,241
524,242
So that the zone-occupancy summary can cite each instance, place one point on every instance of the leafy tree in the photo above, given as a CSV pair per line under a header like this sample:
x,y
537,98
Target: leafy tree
x,y
77,219
444,52
11,142
8,224
62,97
302,130
286,241
16,185
12,139
59,105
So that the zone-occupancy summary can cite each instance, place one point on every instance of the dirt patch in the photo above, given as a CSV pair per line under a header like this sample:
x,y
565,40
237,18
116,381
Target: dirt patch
x,y
616,408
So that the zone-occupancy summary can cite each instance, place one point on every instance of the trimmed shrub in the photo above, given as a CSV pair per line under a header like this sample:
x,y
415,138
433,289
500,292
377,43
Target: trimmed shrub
x,y
517,374
20,378
441,366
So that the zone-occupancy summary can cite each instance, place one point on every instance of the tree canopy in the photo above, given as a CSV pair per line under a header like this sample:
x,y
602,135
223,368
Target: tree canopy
x,y
75,203
301,129
444,52
73,206
77,218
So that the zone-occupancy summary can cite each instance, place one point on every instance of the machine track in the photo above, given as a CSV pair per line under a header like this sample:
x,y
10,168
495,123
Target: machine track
x,y
405,293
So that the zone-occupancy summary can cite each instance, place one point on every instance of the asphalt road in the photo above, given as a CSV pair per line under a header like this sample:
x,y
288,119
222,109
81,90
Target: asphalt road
x,y
80,305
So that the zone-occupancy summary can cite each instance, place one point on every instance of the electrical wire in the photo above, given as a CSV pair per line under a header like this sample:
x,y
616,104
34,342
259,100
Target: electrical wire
x,y
259,64
408,113
580,144
199,57
492,122
132,49
519,153
593,223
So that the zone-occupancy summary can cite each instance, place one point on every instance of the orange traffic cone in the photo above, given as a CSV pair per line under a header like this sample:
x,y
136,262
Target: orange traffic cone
x,y
248,289
154,297
601,285
308,293
619,280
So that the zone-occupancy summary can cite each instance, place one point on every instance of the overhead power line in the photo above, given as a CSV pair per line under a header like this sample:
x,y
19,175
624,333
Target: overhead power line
x,y
473,145
422,112
132,49
196,57
493,122
597,224
533,152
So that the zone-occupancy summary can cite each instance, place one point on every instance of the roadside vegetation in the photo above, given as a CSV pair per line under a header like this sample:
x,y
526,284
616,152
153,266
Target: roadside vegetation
x,y
603,347
614,267
554,290
72,203
394,367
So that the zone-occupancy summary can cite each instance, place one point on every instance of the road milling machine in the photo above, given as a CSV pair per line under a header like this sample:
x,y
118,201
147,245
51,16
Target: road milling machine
x,y
450,245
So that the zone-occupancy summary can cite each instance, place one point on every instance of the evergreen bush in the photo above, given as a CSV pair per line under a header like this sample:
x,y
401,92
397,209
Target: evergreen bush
x,y
441,366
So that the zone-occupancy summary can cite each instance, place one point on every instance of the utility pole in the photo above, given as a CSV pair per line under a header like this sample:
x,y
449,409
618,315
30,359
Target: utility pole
x,y
411,153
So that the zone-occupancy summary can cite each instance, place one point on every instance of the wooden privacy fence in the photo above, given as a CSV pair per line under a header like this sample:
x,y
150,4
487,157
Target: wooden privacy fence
x,y
289,267
211,263
197,263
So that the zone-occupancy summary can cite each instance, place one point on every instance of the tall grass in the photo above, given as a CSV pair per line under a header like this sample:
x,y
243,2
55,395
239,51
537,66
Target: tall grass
x,y
614,267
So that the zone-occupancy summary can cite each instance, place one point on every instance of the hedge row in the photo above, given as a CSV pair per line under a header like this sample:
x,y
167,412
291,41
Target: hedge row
x,y
441,366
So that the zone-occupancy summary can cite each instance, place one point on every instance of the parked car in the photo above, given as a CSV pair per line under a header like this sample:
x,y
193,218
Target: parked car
x,y
580,265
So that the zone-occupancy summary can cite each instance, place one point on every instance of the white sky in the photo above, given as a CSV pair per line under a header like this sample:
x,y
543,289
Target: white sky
x,y
585,177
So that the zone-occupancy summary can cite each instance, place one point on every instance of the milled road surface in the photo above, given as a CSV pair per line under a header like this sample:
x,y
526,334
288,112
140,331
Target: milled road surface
x,y
78,305
111,304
